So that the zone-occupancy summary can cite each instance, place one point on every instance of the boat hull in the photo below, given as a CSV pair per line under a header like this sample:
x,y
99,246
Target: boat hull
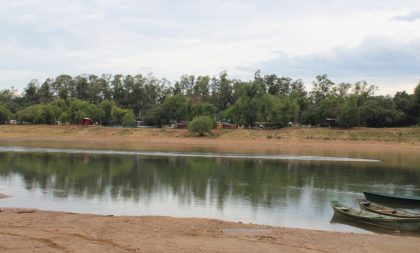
x,y
405,224
392,199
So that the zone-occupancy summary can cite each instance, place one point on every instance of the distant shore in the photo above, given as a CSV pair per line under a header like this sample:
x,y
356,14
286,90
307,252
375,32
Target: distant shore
x,y
240,140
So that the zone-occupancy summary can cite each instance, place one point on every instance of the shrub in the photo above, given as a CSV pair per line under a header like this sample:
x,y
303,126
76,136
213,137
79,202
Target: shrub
x,y
201,125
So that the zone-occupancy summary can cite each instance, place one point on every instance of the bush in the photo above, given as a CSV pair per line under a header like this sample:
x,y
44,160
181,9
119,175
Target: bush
x,y
201,125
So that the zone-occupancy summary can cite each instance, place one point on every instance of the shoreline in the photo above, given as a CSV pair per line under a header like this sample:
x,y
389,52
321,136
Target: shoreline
x,y
50,231
251,141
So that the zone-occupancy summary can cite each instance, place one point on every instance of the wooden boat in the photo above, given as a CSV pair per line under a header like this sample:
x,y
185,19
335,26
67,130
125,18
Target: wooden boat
x,y
392,199
385,221
377,208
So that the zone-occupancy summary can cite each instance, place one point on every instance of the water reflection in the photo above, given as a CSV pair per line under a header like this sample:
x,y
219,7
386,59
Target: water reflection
x,y
290,193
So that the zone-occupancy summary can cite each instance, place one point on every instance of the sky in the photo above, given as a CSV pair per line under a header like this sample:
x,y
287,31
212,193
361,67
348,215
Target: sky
x,y
349,40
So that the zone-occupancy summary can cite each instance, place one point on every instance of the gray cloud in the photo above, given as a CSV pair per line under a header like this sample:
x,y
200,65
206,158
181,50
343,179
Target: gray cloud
x,y
44,38
410,17
377,59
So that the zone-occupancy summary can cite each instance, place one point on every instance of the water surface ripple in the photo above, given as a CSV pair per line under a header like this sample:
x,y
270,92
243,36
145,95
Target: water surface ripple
x,y
180,154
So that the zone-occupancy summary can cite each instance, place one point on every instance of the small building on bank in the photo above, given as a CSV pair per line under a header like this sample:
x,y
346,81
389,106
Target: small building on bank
x,y
331,122
86,122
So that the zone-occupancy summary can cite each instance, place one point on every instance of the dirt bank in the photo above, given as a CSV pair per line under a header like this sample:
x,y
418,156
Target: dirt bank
x,y
250,141
42,231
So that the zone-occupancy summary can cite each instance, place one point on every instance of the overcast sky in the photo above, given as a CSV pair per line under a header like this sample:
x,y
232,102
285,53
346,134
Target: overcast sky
x,y
349,40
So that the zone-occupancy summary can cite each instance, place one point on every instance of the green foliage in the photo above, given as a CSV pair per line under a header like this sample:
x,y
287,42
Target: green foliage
x,y
128,118
273,110
106,111
348,115
5,114
201,125
123,116
406,104
381,112
120,99
417,102
203,109
175,108
154,116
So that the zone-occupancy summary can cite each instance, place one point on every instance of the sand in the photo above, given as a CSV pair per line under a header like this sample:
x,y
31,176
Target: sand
x,y
238,141
43,231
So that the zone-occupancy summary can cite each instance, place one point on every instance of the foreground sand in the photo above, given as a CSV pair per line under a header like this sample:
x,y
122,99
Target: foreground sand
x,y
41,231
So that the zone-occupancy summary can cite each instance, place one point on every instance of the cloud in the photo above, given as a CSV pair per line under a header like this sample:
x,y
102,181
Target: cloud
x,y
410,17
171,38
380,60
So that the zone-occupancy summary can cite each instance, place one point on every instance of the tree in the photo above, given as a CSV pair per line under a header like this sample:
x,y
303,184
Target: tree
x,y
176,108
201,125
155,116
10,99
222,91
31,92
348,113
45,92
201,89
405,103
106,110
417,101
322,87
5,114
381,111
128,118
63,86
273,109
203,109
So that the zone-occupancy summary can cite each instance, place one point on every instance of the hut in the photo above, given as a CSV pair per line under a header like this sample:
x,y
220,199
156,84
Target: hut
x,y
331,122
86,122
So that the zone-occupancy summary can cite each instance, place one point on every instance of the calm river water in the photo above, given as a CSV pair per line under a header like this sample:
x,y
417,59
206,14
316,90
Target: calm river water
x,y
280,190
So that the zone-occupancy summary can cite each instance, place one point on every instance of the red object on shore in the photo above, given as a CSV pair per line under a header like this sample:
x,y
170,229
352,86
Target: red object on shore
x,y
86,122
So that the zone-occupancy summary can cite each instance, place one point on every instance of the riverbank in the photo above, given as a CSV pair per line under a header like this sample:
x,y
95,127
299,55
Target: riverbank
x,y
44,231
398,147
238,140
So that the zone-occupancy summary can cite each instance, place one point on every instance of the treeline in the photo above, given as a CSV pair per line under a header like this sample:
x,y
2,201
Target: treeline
x,y
275,100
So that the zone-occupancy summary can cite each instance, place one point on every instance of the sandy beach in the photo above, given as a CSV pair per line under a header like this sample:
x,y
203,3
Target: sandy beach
x,y
43,231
